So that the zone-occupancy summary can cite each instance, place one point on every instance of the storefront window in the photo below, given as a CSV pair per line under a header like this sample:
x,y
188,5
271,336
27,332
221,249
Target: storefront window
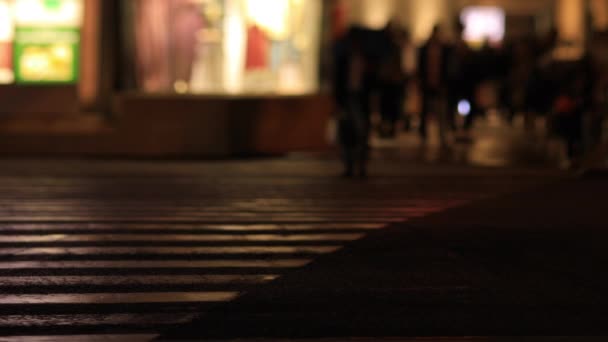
x,y
227,46
40,41
6,42
483,24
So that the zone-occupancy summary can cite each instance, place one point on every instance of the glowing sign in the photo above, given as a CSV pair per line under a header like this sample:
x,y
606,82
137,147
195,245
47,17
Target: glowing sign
x,y
6,41
271,16
483,23
47,40
46,55
44,13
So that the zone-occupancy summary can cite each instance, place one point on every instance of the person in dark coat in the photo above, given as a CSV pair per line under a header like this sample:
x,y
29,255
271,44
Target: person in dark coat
x,y
460,80
391,80
433,71
352,101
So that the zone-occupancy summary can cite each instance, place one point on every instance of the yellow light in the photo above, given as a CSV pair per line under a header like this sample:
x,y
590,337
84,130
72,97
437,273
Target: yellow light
x,y
233,47
181,86
35,63
271,15
61,52
35,13
6,76
6,22
43,63
425,14
377,13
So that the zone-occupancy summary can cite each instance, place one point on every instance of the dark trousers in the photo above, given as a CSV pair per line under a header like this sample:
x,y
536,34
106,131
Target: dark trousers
x,y
433,101
458,92
355,128
391,104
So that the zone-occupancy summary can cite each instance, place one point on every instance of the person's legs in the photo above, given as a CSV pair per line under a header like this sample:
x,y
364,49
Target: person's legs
x,y
349,132
347,146
385,110
348,158
453,100
469,120
362,159
404,112
441,112
357,152
391,107
398,104
426,107
363,149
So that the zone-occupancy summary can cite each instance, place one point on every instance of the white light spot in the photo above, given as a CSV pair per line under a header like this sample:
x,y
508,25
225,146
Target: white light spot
x,y
464,107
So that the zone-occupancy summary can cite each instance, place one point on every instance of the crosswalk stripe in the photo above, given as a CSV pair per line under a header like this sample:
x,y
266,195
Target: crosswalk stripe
x,y
119,298
67,251
204,212
100,227
287,263
223,219
136,280
80,338
142,338
297,205
103,218
173,237
83,251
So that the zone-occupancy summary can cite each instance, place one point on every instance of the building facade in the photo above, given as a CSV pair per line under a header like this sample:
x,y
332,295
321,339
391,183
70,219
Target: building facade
x,y
200,77
160,77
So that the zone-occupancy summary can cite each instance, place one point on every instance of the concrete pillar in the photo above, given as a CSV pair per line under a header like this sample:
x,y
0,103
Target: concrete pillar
x,y
418,15
423,15
89,86
374,14
599,11
570,20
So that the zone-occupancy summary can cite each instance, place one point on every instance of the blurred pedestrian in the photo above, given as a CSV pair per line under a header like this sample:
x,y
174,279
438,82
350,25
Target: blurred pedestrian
x,y
572,103
351,101
409,67
391,81
520,68
433,66
460,81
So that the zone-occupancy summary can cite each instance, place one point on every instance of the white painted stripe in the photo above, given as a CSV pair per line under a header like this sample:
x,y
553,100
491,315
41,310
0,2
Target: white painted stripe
x,y
81,338
284,263
206,203
120,298
176,237
83,251
218,219
27,227
205,211
149,338
211,219
127,280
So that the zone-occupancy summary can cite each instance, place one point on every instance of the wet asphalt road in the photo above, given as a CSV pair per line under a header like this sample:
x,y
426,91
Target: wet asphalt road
x,y
128,250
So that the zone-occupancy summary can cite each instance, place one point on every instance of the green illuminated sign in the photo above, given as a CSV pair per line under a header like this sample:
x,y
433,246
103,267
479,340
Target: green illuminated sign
x,y
52,4
46,44
46,55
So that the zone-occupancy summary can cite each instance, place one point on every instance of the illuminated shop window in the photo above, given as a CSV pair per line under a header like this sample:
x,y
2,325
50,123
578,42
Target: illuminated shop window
x,y
483,24
6,43
47,41
227,46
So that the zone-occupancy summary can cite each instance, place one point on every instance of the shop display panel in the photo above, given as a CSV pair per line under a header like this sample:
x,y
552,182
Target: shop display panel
x,y
40,41
6,42
227,46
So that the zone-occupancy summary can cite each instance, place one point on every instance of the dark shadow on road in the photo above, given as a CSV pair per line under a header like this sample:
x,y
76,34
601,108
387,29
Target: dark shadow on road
x,y
524,264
